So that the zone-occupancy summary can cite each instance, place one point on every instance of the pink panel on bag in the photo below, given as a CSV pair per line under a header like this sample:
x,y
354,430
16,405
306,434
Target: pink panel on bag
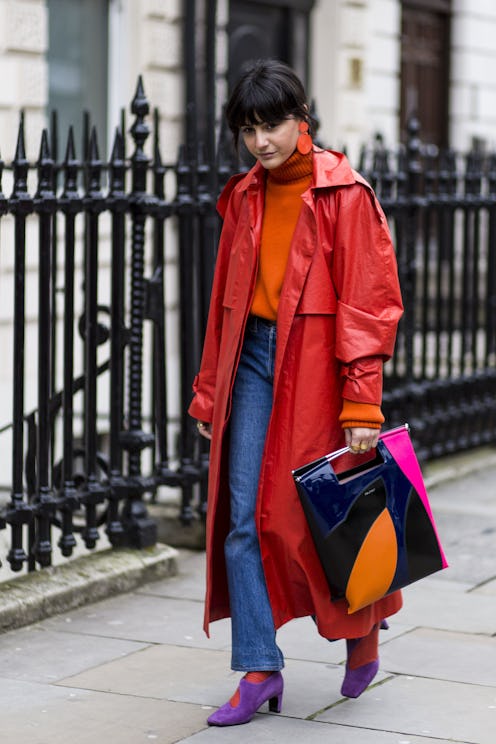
x,y
399,445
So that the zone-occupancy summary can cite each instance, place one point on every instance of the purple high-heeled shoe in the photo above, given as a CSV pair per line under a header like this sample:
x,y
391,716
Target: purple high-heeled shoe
x,y
358,678
251,697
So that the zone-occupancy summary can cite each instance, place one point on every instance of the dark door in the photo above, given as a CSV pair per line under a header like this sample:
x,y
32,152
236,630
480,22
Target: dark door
x,y
425,47
259,29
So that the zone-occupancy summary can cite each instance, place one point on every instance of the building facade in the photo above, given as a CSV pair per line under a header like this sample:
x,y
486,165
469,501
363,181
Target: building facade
x,y
369,65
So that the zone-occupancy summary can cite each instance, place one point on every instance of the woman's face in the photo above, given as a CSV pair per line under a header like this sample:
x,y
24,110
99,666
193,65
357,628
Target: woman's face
x,y
271,143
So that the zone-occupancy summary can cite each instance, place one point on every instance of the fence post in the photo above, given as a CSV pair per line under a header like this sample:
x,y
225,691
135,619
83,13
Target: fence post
x,y
18,511
141,530
45,205
71,204
118,203
94,492
413,194
156,312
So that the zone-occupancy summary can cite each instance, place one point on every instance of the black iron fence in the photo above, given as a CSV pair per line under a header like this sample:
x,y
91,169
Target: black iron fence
x,y
124,272
108,426
442,210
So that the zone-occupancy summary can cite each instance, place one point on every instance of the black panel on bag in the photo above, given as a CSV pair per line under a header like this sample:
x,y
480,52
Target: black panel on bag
x,y
339,548
345,541
422,546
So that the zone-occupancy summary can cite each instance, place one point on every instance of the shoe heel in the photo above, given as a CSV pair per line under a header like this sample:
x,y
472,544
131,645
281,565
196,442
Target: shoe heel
x,y
275,704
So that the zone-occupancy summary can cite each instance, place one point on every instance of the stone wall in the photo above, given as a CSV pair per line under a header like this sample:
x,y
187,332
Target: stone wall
x,y
355,62
473,83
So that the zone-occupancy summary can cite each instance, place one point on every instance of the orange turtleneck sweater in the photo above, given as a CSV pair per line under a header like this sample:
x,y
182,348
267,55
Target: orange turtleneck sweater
x,y
283,190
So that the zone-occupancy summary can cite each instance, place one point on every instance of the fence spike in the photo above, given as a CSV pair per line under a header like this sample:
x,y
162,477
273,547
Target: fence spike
x,y
54,134
491,173
159,168
447,172
71,167
157,157
117,164
20,167
93,169
139,105
473,171
362,159
70,152
45,167
117,154
139,132
44,147
93,153
20,153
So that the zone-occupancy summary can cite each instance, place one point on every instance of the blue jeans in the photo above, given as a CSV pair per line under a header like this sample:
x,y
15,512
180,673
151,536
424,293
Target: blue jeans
x,y
253,634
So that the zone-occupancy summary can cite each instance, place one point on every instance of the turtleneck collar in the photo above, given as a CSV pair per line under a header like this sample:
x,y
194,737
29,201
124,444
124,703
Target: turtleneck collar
x,y
297,167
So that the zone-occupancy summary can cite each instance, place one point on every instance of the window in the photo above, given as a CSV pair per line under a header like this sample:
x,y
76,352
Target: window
x,y
78,67
261,28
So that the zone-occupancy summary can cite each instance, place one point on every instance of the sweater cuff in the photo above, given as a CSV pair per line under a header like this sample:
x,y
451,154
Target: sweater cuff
x,y
367,415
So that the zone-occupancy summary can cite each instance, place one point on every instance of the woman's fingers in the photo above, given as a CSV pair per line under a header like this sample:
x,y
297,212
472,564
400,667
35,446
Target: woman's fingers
x,y
361,439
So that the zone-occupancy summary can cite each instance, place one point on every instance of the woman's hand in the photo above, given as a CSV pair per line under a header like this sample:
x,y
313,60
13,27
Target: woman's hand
x,y
361,439
204,429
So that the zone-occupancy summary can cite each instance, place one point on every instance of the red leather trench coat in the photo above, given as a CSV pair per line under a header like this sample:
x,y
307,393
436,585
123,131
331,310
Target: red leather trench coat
x,y
336,324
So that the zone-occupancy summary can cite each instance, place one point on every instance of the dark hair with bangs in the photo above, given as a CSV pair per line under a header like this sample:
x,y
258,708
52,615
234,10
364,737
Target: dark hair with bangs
x,y
268,91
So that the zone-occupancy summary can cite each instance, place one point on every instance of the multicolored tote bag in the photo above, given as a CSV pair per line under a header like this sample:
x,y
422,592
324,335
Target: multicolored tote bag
x,y
372,526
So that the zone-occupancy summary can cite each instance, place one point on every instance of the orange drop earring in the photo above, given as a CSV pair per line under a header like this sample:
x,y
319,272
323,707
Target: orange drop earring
x,y
304,142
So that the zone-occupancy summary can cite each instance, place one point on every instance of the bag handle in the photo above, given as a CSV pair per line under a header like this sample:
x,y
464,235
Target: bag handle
x,y
338,453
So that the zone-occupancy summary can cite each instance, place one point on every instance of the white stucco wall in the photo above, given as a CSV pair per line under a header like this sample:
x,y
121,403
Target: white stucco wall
x,y
473,82
23,72
355,62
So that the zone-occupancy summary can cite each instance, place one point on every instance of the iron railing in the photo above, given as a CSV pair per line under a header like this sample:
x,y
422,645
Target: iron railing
x,y
78,456
87,458
442,210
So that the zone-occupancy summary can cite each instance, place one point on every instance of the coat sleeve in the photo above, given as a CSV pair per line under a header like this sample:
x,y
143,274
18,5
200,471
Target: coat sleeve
x,y
204,383
369,299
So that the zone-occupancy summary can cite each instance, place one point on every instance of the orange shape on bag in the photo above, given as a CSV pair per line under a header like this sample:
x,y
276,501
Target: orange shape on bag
x,y
375,564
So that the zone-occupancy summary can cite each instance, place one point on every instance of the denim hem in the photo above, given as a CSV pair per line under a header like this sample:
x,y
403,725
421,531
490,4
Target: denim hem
x,y
258,667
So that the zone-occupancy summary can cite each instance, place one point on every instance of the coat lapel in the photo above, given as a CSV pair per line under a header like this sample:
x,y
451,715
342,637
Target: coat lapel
x,y
299,262
329,169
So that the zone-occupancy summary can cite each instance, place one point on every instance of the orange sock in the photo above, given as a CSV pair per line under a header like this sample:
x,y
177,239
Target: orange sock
x,y
255,678
363,650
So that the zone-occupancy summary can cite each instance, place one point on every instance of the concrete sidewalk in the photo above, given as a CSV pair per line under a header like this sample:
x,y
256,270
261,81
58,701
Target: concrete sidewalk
x,y
137,667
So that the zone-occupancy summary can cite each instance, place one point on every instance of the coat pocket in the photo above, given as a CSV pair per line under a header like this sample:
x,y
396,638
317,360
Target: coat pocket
x,y
318,296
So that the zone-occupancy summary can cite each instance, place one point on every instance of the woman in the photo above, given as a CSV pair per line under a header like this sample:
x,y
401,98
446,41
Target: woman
x,y
304,309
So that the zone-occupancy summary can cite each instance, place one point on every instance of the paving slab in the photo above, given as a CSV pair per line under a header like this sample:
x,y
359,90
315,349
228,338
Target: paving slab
x,y
471,492
489,587
189,583
308,688
204,678
448,610
468,540
138,667
422,707
459,466
277,729
163,672
299,639
46,714
147,619
439,654
41,655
